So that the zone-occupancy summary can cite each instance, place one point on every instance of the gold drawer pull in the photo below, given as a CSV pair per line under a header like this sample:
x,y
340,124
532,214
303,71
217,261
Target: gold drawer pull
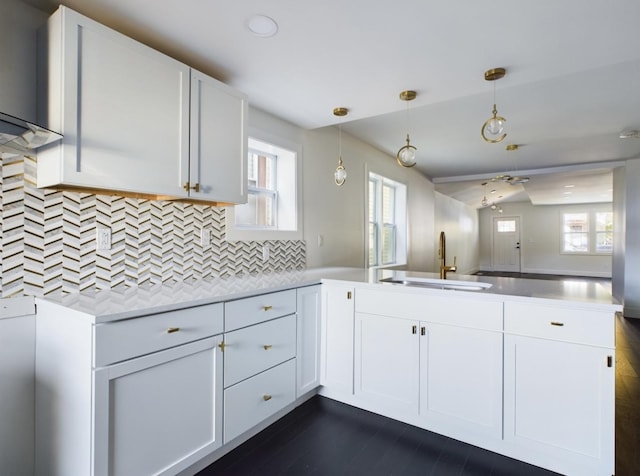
x,y
171,330
187,186
267,308
222,345
267,347
556,323
266,398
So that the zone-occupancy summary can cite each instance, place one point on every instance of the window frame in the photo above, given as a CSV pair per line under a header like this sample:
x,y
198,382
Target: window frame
x,y
292,172
591,233
376,228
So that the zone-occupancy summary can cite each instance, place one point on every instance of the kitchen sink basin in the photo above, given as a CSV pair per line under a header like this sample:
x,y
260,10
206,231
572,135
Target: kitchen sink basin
x,y
438,283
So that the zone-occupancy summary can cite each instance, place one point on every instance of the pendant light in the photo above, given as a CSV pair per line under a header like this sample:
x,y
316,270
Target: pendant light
x,y
406,155
340,175
493,129
484,202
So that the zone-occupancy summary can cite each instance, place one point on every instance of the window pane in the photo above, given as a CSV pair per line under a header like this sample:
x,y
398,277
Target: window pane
x,y
604,221
388,244
372,201
604,242
373,244
258,211
261,170
576,223
388,204
506,226
576,242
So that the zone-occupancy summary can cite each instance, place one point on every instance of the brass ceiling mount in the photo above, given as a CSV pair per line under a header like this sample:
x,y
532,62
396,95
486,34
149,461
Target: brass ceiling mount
x,y
511,147
494,74
408,95
340,111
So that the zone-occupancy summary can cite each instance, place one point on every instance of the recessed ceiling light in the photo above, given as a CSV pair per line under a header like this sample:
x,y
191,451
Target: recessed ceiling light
x,y
262,26
566,193
569,186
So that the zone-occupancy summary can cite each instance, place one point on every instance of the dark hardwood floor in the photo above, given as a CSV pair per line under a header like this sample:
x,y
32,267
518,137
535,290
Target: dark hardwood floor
x,y
324,437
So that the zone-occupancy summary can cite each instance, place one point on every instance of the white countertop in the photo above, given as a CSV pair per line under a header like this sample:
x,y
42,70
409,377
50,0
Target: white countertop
x,y
127,302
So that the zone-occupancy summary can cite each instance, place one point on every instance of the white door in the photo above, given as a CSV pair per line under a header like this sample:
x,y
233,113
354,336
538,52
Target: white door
x,y
506,244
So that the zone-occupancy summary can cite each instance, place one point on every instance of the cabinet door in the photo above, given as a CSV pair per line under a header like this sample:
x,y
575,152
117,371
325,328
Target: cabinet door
x,y
461,380
337,338
123,109
308,341
559,402
218,156
386,363
159,413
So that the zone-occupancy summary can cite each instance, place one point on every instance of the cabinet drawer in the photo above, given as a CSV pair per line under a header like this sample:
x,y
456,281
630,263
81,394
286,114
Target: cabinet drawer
x,y
570,325
456,311
246,312
256,348
249,402
122,340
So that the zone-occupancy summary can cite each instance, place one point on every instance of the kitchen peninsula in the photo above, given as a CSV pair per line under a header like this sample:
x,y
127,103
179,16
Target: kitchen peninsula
x,y
167,378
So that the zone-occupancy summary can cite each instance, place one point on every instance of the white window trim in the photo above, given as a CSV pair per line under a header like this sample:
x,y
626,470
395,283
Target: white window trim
x,y
234,233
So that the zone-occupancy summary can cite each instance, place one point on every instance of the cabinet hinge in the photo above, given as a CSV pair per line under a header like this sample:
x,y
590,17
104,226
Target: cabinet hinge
x,y
609,361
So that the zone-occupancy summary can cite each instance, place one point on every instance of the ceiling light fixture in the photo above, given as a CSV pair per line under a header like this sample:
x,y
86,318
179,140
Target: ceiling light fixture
x,y
484,202
406,155
262,26
630,135
494,126
340,175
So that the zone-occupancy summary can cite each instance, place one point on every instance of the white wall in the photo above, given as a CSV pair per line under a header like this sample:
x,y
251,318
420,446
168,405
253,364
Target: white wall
x,y
338,214
632,243
540,237
461,226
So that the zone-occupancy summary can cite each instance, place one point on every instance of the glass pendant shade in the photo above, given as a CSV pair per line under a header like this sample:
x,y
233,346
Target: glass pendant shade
x,y
493,129
340,175
406,156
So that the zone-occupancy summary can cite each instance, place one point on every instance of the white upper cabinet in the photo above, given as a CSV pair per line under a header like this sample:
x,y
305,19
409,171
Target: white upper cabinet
x,y
129,118
217,167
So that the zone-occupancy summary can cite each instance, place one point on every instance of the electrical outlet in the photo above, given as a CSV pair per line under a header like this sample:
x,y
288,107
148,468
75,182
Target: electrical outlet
x,y
265,253
103,239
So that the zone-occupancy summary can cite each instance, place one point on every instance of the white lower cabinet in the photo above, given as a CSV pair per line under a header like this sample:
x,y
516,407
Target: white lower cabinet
x,y
159,413
559,389
308,339
337,338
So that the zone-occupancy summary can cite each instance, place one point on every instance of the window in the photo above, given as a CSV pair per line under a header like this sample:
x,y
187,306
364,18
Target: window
x,y
506,226
580,236
271,211
387,234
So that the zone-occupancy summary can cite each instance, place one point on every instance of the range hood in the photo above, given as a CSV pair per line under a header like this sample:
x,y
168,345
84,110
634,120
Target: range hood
x,y
15,132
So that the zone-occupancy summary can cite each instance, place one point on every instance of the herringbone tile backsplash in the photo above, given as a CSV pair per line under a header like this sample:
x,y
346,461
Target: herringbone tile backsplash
x,y
48,242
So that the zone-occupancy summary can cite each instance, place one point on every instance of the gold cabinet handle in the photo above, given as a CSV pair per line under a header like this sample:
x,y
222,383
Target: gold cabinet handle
x,y
187,186
171,330
414,329
423,331
267,397
267,308
267,347
556,323
222,346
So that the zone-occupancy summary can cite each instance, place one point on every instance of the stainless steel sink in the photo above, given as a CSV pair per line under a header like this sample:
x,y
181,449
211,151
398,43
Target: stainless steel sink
x,y
438,283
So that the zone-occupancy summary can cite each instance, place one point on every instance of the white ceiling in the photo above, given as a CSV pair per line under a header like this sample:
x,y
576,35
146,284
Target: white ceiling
x,y
572,83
